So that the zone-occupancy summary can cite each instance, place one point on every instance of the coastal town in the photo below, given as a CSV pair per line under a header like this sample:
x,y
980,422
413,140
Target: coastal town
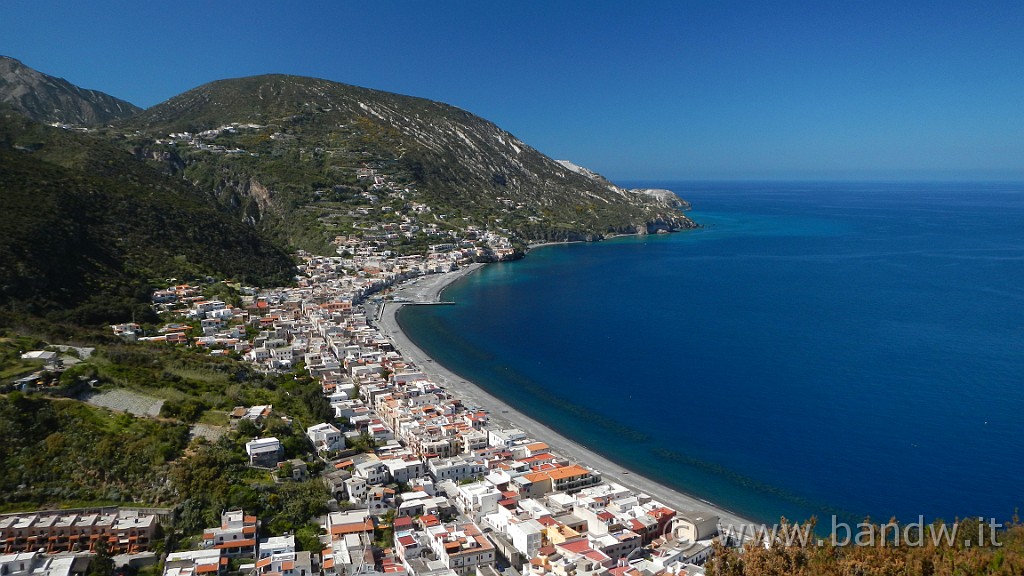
x,y
462,484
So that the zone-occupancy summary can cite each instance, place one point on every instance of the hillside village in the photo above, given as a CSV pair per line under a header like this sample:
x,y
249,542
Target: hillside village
x,y
420,482
404,458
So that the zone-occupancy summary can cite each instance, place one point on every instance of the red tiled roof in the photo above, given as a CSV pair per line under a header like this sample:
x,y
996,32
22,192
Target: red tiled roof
x,y
658,513
580,546
558,473
352,528
596,555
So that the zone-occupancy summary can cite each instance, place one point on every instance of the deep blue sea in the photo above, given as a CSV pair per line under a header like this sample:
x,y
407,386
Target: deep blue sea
x,y
827,348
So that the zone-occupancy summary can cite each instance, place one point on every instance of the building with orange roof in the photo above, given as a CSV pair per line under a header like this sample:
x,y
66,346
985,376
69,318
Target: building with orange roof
x,y
124,531
285,564
570,479
577,558
196,563
462,547
341,524
538,459
663,516
236,536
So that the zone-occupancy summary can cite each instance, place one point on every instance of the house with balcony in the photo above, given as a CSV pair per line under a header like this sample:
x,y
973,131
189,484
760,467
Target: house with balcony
x,y
462,547
285,564
264,452
236,536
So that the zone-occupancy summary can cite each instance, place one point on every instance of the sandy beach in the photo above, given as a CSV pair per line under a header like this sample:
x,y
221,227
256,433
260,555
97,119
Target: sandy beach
x,y
429,289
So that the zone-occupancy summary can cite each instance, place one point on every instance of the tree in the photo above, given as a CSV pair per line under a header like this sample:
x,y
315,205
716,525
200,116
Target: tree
x,y
307,537
364,443
247,429
284,470
102,564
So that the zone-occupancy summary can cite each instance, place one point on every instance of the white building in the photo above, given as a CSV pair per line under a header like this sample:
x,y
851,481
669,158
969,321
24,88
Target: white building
x,y
456,469
195,563
462,547
506,437
264,452
695,527
477,499
236,535
526,536
36,564
373,471
325,437
404,470
276,545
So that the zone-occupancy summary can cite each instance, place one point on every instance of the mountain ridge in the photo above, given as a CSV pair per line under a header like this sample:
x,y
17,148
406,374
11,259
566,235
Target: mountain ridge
x,y
453,158
274,163
49,99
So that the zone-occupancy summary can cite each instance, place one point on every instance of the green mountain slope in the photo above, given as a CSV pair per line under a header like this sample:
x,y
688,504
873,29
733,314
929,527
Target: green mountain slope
x,y
86,225
65,451
289,152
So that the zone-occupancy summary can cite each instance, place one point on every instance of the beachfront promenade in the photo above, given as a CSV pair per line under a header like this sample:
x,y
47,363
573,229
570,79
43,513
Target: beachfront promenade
x,y
428,289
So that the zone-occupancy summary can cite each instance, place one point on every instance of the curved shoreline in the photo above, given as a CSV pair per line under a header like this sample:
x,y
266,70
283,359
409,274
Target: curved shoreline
x,y
429,289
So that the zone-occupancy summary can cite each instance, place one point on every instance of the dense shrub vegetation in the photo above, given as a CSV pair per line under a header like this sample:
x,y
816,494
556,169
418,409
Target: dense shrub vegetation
x,y
59,451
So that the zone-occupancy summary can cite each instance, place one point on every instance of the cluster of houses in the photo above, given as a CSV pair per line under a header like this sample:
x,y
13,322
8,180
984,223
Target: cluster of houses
x,y
64,542
466,529
203,140
286,322
466,496
597,530
462,495
238,539
121,530
496,245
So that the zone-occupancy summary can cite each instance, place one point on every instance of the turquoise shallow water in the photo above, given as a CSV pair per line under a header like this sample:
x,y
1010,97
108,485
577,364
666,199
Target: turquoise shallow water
x,y
850,349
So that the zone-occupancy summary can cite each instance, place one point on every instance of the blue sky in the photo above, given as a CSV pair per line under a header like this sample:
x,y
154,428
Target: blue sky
x,y
634,90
